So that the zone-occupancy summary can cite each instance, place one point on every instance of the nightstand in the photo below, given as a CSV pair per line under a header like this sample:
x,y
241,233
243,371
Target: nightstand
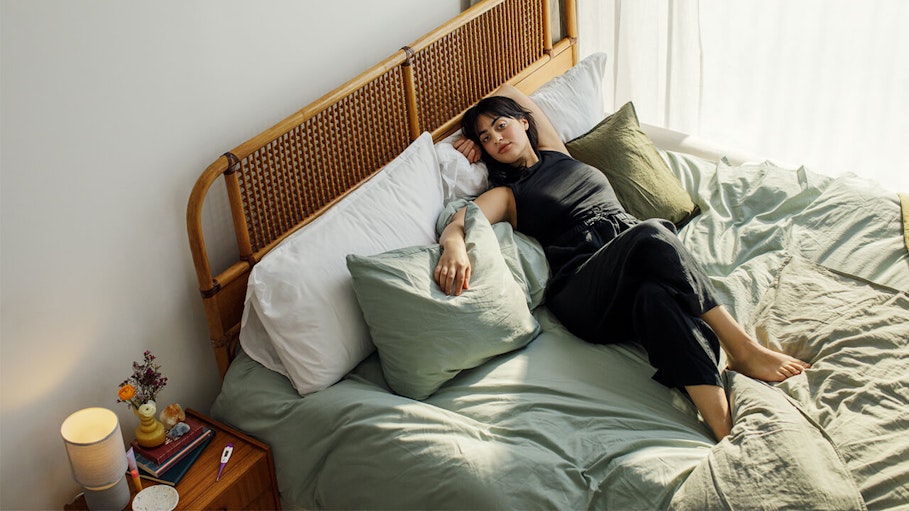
x,y
248,480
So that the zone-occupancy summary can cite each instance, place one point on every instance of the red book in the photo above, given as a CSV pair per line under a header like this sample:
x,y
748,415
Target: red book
x,y
163,452
157,470
176,472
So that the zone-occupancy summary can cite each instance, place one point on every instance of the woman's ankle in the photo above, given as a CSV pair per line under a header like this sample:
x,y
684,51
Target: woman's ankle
x,y
713,405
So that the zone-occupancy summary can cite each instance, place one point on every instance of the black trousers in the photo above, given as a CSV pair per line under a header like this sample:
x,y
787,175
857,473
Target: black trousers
x,y
644,286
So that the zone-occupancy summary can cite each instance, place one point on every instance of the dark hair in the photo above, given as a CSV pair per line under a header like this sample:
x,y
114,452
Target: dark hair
x,y
498,106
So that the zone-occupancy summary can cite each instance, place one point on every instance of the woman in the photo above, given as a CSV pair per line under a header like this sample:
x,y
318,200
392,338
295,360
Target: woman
x,y
615,278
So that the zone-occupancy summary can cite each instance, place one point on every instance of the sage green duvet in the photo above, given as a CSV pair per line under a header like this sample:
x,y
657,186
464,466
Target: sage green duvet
x,y
813,265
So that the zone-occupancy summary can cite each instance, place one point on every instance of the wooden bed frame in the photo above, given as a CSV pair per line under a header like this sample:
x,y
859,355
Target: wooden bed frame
x,y
283,178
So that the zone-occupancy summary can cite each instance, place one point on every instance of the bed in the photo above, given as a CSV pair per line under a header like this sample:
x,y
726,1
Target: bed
x,y
376,392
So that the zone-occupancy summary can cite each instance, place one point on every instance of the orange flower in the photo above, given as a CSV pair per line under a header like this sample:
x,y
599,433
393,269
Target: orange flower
x,y
126,392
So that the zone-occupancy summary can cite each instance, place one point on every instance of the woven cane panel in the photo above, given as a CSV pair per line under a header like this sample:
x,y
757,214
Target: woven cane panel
x,y
312,164
457,70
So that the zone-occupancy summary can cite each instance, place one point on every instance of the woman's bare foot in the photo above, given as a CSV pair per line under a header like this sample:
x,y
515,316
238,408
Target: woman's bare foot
x,y
757,361
748,357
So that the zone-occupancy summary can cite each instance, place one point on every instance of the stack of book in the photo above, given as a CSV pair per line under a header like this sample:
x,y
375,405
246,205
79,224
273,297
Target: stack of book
x,y
168,462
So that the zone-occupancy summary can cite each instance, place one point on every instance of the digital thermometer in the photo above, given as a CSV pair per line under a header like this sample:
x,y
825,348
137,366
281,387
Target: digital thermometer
x,y
225,455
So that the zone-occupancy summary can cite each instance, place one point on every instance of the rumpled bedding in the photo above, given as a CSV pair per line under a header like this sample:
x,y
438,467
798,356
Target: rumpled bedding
x,y
813,265
835,437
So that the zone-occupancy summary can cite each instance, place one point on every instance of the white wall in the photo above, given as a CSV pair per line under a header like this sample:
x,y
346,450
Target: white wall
x,y
110,110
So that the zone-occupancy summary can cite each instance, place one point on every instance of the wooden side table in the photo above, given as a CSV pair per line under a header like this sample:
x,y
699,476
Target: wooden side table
x,y
248,480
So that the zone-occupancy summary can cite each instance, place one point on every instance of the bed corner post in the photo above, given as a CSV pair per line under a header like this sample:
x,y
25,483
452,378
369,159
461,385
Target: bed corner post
x,y
232,181
217,292
571,27
410,94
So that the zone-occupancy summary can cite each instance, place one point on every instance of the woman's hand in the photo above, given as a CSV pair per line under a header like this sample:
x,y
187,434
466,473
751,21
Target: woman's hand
x,y
466,147
453,271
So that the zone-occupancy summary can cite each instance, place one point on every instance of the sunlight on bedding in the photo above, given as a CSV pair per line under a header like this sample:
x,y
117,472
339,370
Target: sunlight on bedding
x,y
571,420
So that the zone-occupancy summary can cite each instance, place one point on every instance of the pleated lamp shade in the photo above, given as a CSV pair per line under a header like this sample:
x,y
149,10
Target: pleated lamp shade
x,y
97,455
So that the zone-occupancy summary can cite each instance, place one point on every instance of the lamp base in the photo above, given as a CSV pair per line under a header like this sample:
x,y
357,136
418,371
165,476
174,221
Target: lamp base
x,y
114,497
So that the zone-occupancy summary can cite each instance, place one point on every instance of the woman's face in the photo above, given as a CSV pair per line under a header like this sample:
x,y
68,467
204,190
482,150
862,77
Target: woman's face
x,y
505,139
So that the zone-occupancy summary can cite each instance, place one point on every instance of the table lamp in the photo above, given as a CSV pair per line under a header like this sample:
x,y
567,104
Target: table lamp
x,y
97,457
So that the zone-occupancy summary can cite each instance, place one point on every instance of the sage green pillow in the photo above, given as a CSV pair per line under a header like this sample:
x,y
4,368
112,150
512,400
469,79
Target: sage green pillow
x,y
425,337
642,181
523,255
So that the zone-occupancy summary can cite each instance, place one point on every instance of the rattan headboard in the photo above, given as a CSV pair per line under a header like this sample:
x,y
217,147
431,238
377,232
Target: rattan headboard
x,y
289,174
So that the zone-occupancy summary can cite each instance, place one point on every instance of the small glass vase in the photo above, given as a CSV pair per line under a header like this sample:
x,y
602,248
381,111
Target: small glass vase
x,y
150,432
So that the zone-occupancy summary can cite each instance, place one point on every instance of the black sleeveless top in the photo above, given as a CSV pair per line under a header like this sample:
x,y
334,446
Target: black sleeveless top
x,y
569,207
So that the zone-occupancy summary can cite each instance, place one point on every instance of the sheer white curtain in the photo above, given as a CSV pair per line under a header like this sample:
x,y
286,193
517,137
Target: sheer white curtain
x,y
824,83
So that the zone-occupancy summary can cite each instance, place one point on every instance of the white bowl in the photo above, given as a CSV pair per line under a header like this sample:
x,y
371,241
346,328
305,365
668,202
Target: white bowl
x,y
160,497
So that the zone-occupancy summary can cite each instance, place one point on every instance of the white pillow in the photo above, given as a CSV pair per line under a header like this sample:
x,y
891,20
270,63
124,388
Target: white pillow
x,y
301,317
573,102
460,179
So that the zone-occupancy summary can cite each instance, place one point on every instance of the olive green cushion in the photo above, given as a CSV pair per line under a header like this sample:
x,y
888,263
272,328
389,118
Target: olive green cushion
x,y
641,178
425,337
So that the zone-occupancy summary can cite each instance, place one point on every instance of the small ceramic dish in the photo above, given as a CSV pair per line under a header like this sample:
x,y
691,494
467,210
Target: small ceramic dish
x,y
156,498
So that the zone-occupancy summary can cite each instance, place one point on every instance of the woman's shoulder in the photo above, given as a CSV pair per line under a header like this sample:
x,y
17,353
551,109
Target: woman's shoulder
x,y
551,156
564,162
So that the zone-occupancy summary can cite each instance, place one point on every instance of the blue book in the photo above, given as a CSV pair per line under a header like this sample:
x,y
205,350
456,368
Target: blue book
x,y
174,468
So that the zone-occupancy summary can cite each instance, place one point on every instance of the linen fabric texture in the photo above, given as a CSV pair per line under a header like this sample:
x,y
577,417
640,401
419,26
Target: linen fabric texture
x,y
301,317
641,178
425,337
526,430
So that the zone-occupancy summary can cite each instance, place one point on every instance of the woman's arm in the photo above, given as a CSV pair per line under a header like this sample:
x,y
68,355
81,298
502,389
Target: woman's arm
x,y
453,271
549,139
